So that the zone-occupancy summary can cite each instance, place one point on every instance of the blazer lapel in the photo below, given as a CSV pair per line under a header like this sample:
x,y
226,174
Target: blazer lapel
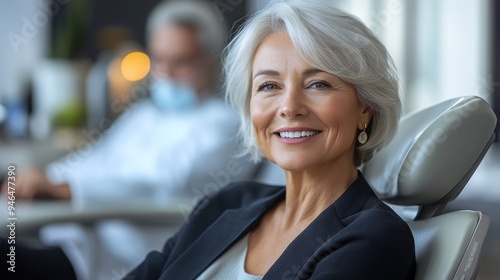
x,y
220,236
288,265
319,232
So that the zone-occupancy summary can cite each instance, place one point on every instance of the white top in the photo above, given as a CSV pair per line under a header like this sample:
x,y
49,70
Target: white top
x,y
153,155
231,265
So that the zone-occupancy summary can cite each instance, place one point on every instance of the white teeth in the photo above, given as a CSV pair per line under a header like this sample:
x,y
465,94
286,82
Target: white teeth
x,y
297,134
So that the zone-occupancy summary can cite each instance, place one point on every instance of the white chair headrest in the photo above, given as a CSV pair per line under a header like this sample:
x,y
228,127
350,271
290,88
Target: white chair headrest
x,y
434,153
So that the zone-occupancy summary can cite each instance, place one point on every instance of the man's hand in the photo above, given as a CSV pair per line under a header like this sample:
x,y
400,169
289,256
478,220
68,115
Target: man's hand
x,y
33,184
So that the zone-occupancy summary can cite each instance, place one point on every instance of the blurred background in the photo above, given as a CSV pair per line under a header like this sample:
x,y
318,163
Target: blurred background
x,y
68,68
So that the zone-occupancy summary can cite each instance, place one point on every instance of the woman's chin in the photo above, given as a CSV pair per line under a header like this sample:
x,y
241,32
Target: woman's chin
x,y
294,164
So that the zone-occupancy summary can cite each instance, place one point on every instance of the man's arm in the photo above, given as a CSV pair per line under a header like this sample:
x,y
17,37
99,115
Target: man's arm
x,y
33,184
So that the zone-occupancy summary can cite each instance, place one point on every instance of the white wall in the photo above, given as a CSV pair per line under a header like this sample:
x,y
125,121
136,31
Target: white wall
x,y
24,28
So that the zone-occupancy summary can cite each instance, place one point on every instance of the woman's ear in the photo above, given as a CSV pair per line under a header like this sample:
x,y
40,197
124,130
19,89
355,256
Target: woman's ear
x,y
365,118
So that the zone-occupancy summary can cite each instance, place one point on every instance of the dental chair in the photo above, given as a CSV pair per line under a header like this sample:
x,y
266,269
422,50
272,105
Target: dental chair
x,y
431,159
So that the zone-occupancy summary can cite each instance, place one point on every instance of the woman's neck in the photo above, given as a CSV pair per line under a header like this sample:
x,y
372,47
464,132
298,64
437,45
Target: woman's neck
x,y
311,191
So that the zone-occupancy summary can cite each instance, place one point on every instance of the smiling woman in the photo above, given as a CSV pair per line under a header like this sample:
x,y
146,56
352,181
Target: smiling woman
x,y
318,95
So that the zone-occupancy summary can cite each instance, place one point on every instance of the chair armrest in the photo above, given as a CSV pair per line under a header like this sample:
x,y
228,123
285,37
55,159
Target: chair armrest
x,y
467,268
448,246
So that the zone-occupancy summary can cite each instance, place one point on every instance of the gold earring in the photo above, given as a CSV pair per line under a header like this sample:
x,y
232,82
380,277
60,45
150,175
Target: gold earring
x,y
363,137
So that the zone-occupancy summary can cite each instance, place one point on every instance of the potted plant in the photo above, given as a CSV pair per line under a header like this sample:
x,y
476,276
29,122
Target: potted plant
x,y
58,80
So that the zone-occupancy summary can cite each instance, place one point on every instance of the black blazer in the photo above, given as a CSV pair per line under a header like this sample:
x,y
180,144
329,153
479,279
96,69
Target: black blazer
x,y
357,237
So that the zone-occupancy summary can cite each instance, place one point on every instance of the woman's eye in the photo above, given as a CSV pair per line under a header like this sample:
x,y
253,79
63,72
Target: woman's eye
x,y
319,85
267,87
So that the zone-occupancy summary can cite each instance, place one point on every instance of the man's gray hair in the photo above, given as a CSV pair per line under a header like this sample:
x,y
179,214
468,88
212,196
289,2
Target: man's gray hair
x,y
198,14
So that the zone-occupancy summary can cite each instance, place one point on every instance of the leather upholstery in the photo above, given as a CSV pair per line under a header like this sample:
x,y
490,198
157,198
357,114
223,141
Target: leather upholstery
x,y
434,153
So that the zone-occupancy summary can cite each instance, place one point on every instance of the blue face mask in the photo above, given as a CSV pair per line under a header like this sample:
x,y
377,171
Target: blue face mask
x,y
171,96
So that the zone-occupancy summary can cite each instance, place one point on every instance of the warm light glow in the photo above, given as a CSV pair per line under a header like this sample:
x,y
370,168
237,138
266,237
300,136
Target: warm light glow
x,y
135,66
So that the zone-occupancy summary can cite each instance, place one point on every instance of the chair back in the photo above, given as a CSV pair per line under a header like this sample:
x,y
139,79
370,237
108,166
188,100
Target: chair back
x,y
431,159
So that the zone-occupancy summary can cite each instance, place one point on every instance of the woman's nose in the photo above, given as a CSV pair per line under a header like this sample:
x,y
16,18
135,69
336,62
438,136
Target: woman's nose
x,y
293,104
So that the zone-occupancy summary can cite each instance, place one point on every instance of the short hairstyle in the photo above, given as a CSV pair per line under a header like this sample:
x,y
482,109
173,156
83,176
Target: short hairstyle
x,y
198,14
330,40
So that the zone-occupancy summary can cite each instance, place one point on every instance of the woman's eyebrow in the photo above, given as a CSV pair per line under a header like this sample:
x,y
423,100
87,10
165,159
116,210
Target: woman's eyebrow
x,y
267,72
312,71
307,72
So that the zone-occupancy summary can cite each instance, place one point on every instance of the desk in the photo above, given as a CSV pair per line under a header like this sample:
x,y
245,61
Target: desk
x,y
28,153
31,216
38,153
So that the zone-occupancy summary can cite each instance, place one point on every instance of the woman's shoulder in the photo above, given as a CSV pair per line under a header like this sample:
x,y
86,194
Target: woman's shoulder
x,y
378,227
361,210
381,238
364,214
382,222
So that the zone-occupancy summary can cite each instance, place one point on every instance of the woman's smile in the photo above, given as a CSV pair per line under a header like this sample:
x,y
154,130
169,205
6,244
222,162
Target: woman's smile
x,y
296,135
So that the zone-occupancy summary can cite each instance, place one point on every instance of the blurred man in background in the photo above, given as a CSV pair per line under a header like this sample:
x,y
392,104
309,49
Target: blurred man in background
x,y
158,147
168,146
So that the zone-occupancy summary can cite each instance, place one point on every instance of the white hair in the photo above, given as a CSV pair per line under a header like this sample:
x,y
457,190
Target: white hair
x,y
330,40
198,14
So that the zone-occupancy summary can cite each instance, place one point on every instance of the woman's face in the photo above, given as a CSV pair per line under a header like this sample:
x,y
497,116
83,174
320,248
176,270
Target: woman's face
x,y
302,117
